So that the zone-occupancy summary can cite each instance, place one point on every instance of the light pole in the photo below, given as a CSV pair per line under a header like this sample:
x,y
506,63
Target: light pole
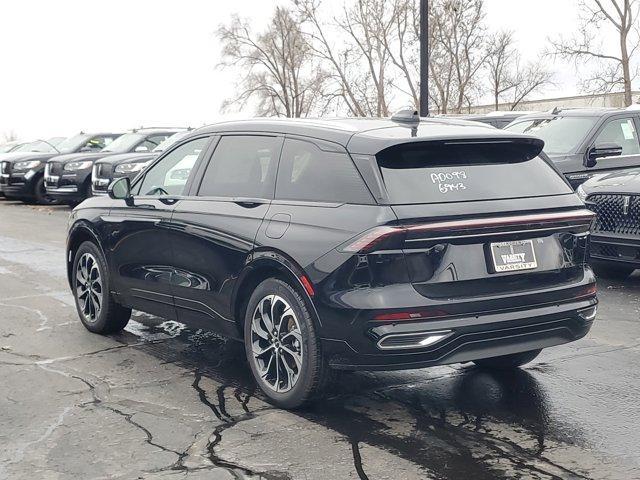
x,y
424,58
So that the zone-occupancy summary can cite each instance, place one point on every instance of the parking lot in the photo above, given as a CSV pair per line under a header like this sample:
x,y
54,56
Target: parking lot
x,y
163,401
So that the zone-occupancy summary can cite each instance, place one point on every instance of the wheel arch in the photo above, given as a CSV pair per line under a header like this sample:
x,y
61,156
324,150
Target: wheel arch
x,y
79,233
261,266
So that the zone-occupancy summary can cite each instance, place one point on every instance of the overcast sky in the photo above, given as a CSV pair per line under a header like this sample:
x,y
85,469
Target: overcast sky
x,y
68,65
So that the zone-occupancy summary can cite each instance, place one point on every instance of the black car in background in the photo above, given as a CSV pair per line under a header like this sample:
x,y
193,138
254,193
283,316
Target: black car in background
x,y
68,177
615,240
345,244
22,170
583,142
107,169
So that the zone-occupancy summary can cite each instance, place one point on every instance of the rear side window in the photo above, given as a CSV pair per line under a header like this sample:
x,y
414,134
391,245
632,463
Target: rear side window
x,y
308,173
450,172
242,166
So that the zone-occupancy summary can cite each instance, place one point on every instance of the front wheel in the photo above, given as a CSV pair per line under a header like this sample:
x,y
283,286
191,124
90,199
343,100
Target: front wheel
x,y
41,196
614,272
98,312
282,347
508,361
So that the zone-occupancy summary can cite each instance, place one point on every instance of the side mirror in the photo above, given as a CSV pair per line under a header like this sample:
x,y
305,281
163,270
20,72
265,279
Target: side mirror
x,y
600,151
120,189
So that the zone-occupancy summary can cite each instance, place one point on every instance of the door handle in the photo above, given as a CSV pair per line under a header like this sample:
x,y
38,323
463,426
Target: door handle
x,y
249,202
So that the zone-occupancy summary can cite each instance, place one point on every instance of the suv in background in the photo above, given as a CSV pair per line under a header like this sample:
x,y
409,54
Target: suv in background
x,y
582,142
498,119
351,244
614,248
68,177
22,170
108,169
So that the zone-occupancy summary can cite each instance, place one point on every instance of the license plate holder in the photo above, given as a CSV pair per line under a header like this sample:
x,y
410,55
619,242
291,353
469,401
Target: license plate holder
x,y
513,256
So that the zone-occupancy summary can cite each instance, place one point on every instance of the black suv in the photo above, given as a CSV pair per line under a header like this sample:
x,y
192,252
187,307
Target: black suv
x,y
615,241
343,244
68,177
582,142
22,170
108,169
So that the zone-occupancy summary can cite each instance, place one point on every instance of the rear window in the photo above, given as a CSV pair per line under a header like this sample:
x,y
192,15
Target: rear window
x,y
449,172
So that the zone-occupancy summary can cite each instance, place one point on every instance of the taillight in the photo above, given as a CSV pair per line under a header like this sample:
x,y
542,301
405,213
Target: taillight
x,y
375,239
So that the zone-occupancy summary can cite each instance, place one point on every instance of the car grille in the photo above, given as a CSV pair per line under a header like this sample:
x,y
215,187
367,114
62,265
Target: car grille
x,y
612,216
54,168
104,170
5,167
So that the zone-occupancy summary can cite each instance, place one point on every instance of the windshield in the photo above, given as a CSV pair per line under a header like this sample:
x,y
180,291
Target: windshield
x,y
124,143
170,141
72,144
39,146
561,135
438,173
8,147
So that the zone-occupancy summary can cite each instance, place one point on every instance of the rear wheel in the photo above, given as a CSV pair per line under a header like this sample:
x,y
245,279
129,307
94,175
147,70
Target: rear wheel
x,y
282,347
508,361
616,272
41,194
98,311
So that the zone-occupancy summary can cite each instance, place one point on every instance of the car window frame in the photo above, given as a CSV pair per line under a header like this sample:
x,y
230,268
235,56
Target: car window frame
x,y
137,181
324,146
197,185
603,125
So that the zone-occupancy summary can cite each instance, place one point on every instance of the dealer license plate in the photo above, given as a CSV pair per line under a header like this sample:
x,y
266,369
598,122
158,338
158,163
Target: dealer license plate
x,y
513,256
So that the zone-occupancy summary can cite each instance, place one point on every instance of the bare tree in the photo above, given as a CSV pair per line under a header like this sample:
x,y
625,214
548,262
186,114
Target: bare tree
x,y
9,136
278,67
509,77
612,69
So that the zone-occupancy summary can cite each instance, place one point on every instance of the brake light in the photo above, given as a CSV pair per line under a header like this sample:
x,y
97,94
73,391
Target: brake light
x,y
372,239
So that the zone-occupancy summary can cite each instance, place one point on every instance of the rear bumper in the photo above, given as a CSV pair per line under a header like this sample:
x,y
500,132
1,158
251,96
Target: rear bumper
x,y
470,338
620,250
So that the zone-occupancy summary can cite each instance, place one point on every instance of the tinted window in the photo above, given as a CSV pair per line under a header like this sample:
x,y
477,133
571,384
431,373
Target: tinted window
x,y
169,176
310,174
242,166
622,132
435,173
561,135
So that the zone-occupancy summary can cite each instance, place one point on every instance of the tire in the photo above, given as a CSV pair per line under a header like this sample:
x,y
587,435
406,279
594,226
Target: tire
x,y
40,194
615,272
508,361
102,315
283,388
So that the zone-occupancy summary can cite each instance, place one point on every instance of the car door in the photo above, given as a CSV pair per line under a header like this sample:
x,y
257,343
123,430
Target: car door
x,y
217,225
140,238
622,131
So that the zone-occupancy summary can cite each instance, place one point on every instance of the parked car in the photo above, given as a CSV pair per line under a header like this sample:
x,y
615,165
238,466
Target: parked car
x,y
583,142
357,244
615,240
22,170
498,119
21,147
68,177
10,146
129,165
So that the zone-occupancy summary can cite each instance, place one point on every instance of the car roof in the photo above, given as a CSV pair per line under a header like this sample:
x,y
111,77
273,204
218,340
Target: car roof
x,y
151,130
576,112
367,135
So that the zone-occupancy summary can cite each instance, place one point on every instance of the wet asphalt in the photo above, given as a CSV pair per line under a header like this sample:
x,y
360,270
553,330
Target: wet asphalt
x,y
162,401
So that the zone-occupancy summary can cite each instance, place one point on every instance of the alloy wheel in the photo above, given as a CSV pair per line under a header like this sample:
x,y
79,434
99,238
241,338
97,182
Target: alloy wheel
x,y
276,341
89,291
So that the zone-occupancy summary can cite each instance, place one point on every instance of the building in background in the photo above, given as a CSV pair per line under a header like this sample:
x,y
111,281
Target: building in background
x,y
598,100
